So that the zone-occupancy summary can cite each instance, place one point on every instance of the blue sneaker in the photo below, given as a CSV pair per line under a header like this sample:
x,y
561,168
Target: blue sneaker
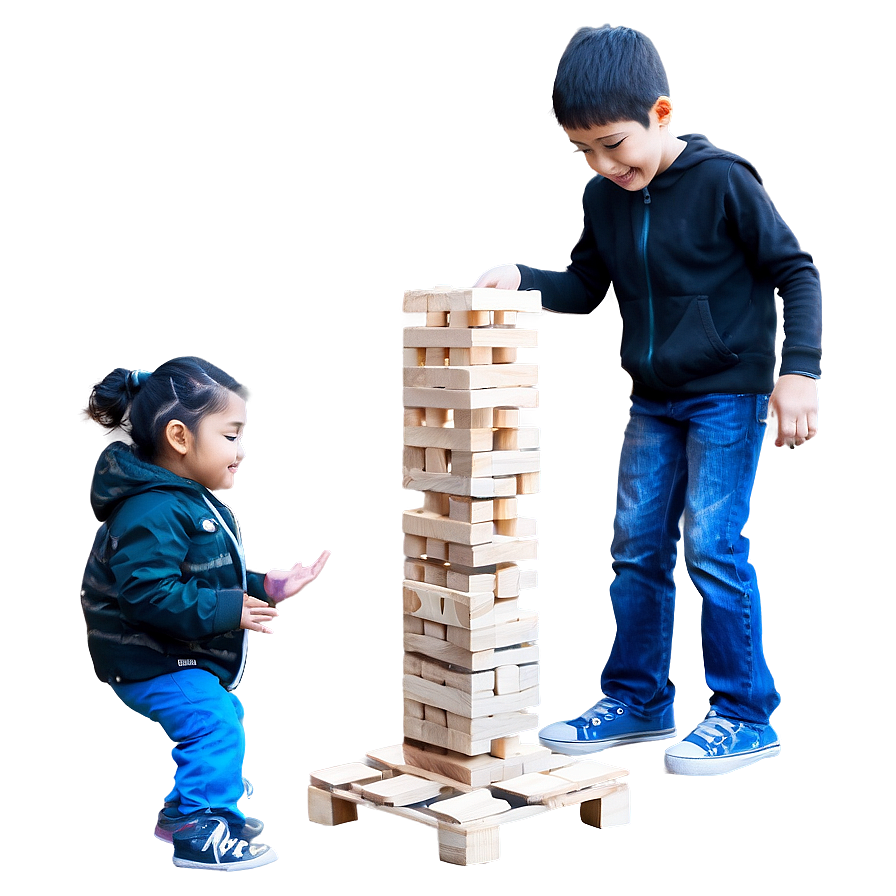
x,y
608,723
206,841
170,820
718,745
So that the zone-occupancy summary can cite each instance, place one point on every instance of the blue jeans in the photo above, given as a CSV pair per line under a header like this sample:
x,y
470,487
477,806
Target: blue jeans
x,y
694,458
206,723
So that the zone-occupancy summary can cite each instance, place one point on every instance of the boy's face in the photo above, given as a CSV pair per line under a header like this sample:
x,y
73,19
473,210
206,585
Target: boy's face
x,y
626,152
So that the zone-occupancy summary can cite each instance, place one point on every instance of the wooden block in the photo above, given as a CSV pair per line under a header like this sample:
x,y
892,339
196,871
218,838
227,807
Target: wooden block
x,y
327,809
481,376
435,460
402,790
520,527
344,775
439,604
506,746
436,549
432,525
470,806
415,477
495,463
473,418
434,356
611,809
507,679
521,631
477,355
438,418
458,318
489,337
448,437
468,682
435,630
462,578
436,318
492,727
445,652
465,399
577,776
413,709
474,771
506,418
414,546
500,550
472,510
444,737
473,299
434,716
463,847
527,483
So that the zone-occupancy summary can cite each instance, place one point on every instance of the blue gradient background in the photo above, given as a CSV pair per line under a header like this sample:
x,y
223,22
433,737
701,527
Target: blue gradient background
x,y
258,184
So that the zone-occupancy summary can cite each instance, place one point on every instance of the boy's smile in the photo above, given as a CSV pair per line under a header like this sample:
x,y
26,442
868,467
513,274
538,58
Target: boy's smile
x,y
626,152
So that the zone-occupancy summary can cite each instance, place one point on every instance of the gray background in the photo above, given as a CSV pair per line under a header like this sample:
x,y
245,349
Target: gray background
x,y
258,184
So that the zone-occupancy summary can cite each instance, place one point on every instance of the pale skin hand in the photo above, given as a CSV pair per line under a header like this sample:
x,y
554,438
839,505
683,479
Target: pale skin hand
x,y
282,583
794,402
507,276
255,614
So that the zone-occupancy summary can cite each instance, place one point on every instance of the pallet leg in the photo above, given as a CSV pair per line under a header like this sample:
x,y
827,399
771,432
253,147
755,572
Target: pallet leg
x,y
326,809
609,810
458,847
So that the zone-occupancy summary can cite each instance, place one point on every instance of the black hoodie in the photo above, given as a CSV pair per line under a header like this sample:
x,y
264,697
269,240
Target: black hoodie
x,y
694,260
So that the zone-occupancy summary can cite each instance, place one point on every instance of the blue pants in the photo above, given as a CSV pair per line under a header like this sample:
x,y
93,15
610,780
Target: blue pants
x,y
206,723
695,457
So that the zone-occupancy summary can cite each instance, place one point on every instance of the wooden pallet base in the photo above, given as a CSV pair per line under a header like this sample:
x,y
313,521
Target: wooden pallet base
x,y
466,818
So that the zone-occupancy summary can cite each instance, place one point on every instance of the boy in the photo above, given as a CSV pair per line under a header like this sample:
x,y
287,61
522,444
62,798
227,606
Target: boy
x,y
694,250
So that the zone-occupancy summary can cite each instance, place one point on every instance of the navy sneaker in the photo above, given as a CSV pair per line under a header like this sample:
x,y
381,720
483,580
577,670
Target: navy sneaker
x,y
170,820
608,723
718,745
206,841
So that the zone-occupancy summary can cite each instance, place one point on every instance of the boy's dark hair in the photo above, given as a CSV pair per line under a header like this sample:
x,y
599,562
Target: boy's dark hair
x,y
607,75
142,403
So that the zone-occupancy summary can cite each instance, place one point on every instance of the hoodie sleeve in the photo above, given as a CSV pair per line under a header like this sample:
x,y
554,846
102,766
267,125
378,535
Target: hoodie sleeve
x,y
582,286
151,539
772,248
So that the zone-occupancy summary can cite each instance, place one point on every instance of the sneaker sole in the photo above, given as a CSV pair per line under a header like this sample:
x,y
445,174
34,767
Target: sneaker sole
x,y
580,747
257,862
719,765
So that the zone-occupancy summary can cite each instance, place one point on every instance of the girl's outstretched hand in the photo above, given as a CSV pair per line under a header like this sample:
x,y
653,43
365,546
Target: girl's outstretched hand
x,y
255,614
282,583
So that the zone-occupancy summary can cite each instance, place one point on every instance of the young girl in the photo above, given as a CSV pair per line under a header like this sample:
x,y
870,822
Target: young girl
x,y
168,599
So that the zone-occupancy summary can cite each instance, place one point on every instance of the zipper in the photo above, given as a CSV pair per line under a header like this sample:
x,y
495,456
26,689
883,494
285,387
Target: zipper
x,y
645,230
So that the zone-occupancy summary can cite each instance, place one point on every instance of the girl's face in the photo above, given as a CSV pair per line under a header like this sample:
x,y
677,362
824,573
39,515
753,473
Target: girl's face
x,y
215,450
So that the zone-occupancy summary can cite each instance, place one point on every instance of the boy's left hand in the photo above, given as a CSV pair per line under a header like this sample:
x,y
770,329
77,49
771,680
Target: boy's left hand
x,y
794,402
282,583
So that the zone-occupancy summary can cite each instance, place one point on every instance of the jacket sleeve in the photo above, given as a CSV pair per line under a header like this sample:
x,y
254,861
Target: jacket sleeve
x,y
772,248
582,286
151,538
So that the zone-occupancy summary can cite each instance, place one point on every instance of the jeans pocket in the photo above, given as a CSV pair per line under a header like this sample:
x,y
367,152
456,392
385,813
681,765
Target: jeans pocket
x,y
762,408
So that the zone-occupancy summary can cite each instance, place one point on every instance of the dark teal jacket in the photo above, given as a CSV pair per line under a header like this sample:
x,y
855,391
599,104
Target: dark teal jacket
x,y
163,588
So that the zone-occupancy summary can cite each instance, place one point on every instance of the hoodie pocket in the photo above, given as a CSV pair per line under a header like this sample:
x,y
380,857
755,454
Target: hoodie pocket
x,y
694,349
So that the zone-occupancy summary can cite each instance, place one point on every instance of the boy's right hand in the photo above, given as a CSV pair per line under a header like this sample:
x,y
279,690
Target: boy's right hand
x,y
507,276
255,613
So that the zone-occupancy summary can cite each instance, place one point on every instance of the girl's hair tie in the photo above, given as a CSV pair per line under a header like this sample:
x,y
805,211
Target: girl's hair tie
x,y
136,378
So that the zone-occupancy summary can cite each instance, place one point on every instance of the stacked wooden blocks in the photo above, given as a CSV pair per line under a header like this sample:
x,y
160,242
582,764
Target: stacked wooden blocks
x,y
471,662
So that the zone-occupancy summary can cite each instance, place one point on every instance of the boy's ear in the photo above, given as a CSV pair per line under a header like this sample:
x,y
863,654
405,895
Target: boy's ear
x,y
663,109
177,436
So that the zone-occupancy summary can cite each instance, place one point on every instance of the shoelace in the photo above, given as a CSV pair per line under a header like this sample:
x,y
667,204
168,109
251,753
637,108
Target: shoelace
x,y
603,711
716,728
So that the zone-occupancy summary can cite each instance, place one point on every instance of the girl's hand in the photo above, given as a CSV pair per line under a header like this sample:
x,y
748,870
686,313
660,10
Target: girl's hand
x,y
255,613
280,584
507,276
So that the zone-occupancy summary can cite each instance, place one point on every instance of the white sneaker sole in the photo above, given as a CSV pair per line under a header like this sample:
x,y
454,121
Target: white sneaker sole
x,y
718,765
582,747
264,859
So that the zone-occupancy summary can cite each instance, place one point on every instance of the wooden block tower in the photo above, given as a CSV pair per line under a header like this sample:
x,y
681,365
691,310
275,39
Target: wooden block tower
x,y
471,662
470,654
